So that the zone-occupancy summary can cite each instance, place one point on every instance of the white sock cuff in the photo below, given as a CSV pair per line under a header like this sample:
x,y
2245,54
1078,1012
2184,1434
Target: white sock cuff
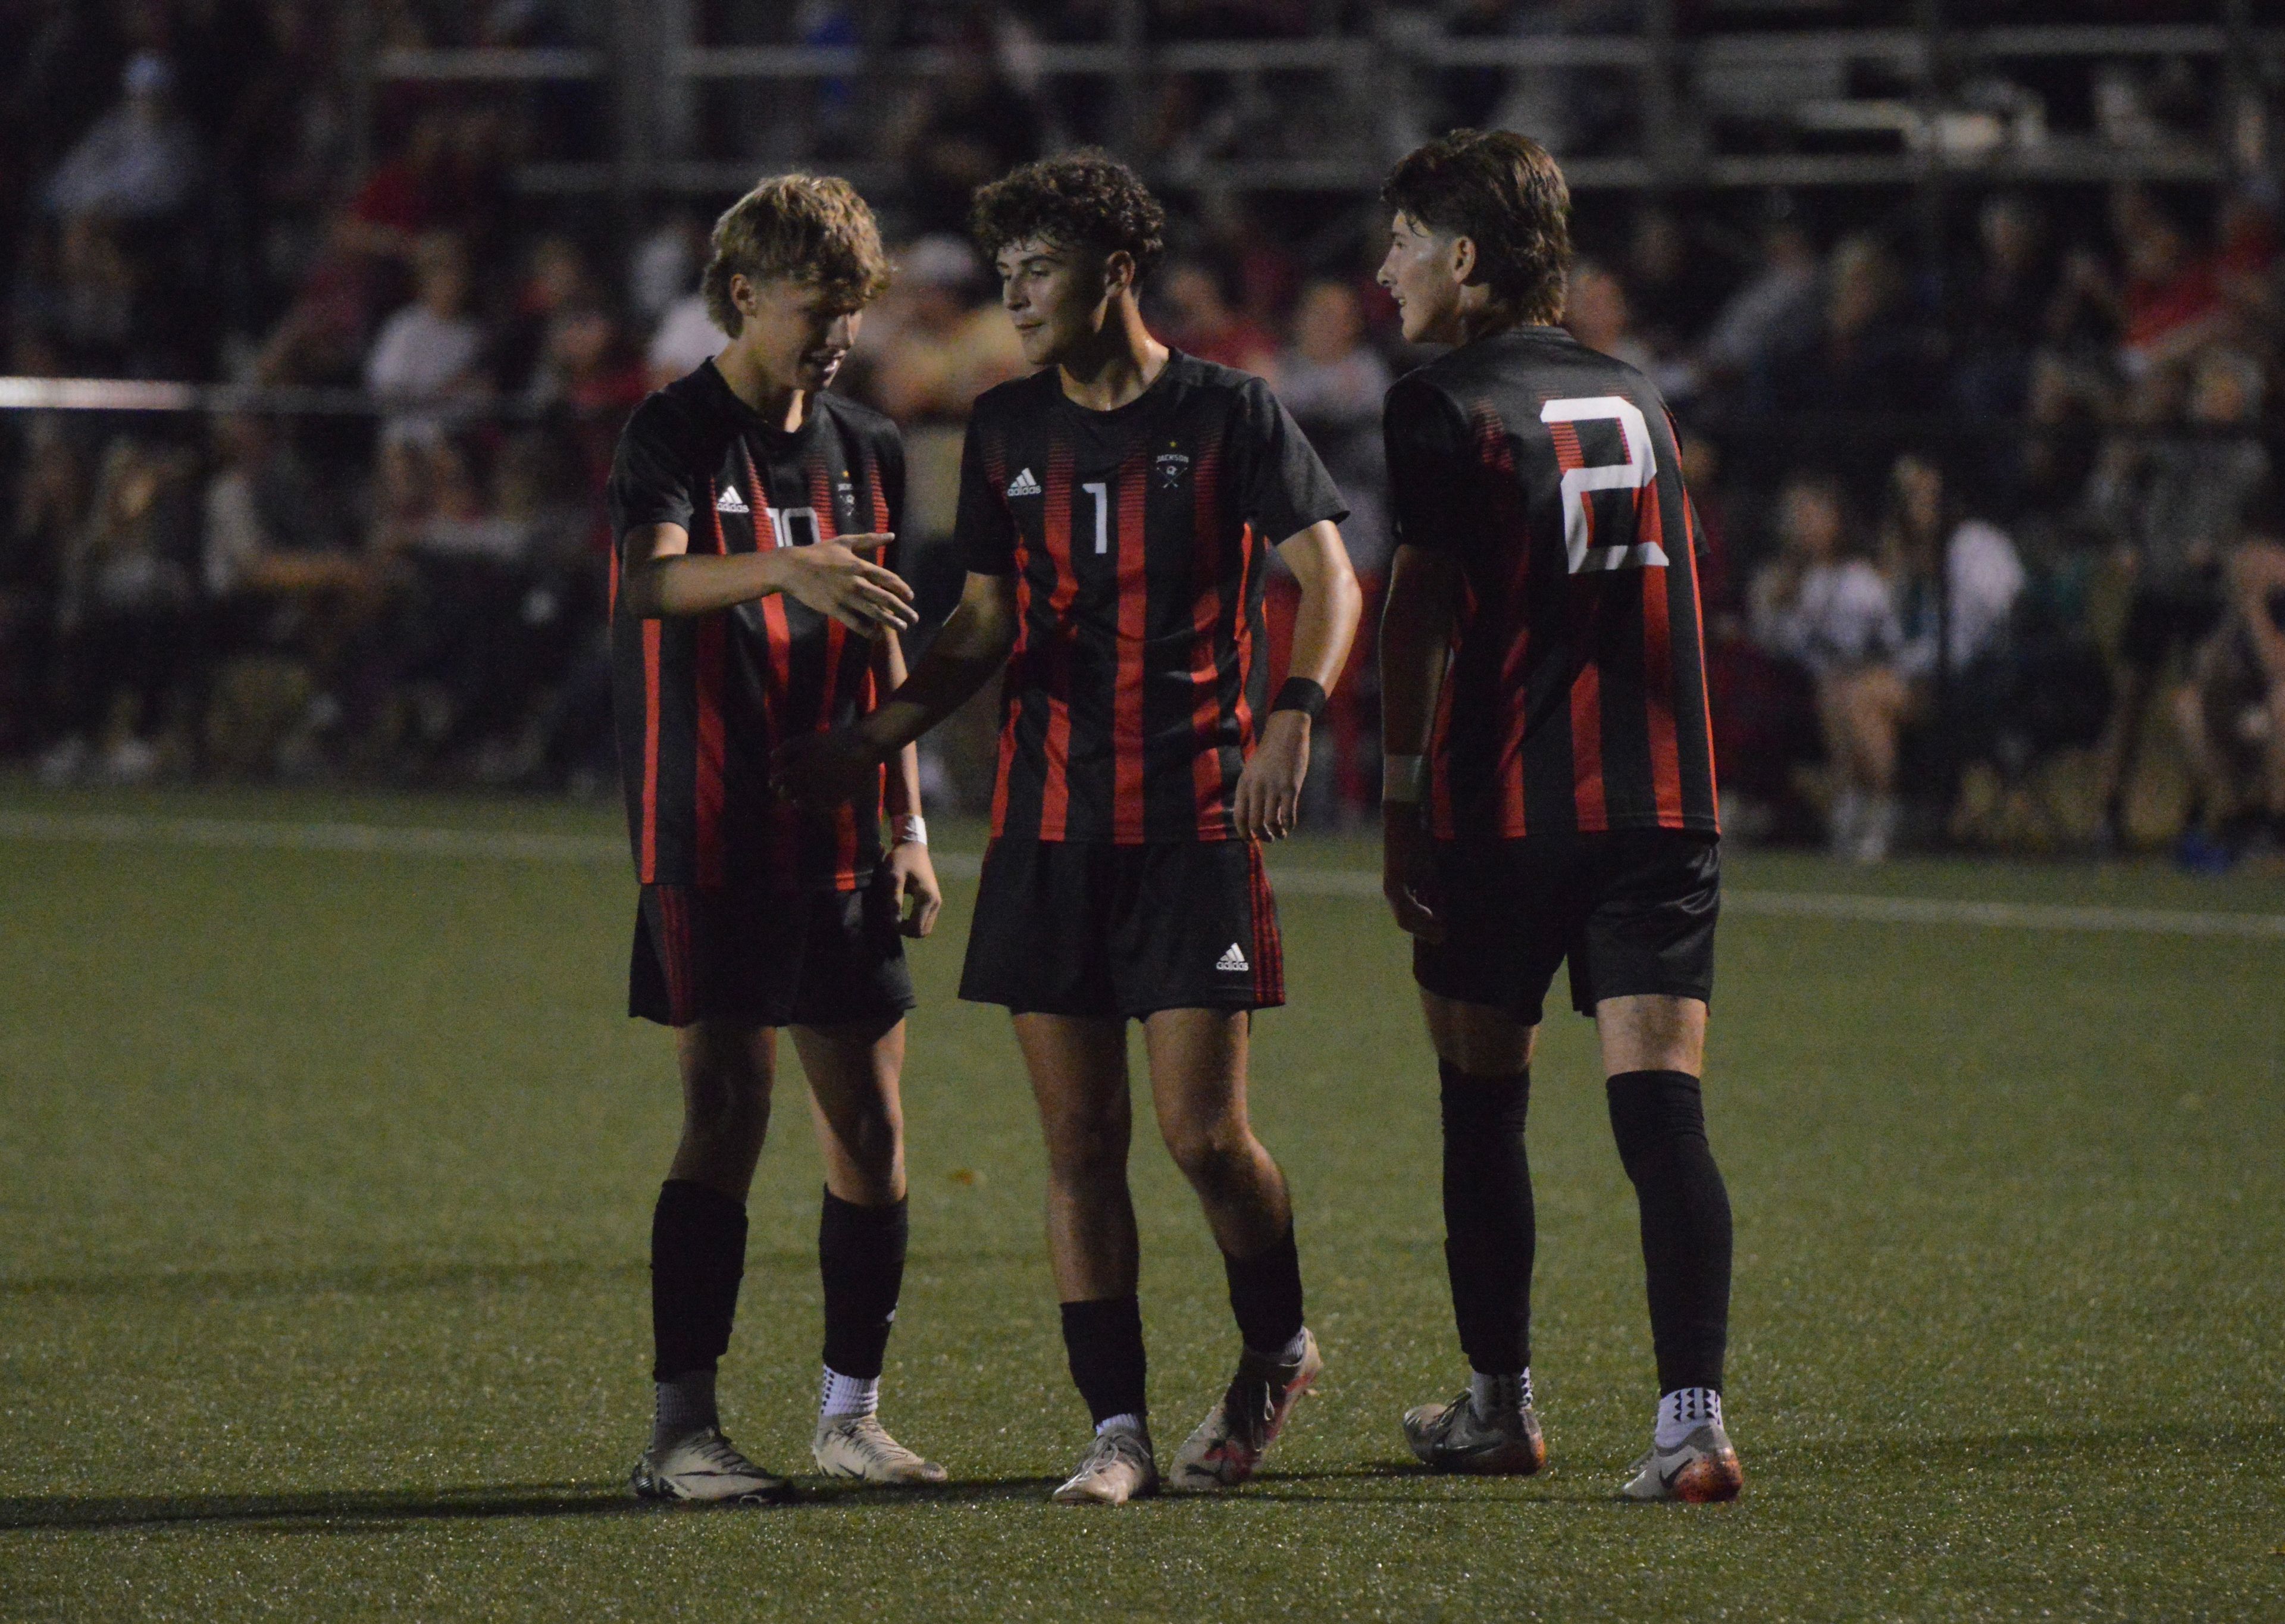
x,y
1683,1411
1126,1418
847,1395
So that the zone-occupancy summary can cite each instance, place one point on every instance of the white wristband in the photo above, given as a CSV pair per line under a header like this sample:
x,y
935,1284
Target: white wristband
x,y
909,829
1402,778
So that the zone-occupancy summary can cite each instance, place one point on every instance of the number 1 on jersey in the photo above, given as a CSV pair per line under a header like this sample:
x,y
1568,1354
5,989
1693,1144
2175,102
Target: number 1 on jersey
x,y
1100,491
1640,469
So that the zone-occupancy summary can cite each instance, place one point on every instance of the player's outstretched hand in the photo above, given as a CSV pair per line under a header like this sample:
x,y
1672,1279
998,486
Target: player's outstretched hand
x,y
911,881
821,770
1404,877
1269,790
832,578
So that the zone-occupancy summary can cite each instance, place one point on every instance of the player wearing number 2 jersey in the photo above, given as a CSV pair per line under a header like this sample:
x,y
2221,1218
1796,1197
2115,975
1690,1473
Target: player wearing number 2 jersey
x,y
1549,788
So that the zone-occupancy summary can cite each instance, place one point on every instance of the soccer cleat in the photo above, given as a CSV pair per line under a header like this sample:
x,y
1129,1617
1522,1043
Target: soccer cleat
x,y
1453,1438
1117,1467
860,1447
705,1466
1230,1443
1702,1469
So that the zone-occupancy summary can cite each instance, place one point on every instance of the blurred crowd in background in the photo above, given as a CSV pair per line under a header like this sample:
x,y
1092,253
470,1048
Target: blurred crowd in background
x,y
1988,490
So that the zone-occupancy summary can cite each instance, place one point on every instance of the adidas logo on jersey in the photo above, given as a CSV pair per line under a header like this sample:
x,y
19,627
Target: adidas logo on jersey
x,y
1024,484
1234,960
731,502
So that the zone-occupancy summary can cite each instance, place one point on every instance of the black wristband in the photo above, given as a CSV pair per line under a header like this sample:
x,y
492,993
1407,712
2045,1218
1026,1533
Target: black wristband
x,y
1301,693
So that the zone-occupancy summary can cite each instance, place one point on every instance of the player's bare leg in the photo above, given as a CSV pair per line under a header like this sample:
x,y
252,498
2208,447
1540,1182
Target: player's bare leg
x,y
1484,1063
1077,1067
854,1073
698,1252
1654,1054
1197,1088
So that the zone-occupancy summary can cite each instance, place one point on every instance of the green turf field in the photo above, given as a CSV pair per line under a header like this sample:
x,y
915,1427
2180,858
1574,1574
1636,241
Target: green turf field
x,y
326,1180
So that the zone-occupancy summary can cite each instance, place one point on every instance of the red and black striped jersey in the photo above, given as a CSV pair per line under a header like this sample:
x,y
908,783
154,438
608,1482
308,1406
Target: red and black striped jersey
x,y
700,701
1575,698
1139,540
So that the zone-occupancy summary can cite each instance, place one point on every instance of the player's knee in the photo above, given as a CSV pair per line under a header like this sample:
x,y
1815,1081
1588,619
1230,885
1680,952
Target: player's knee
x,y
1214,1154
1087,1145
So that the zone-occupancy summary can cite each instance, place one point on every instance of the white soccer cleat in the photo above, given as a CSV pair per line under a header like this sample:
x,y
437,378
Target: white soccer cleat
x,y
1702,1470
859,1447
1116,1468
706,1467
1230,1443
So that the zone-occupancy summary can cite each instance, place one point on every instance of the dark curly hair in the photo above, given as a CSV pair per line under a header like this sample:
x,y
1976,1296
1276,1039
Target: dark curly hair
x,y
1086,198
1504,193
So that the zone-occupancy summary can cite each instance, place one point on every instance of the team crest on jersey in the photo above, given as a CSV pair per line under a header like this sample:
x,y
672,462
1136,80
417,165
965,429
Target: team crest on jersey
x,y
844,500
1173,467
731,502
1024,484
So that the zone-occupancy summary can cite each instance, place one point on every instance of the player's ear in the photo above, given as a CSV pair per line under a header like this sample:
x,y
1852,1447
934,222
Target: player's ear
x,y
1119,269
1463,259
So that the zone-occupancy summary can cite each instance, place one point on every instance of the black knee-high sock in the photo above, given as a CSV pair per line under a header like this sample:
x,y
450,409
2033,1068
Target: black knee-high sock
x,y
1103,1339
1659,1119
1490,1229
697,1257
861,1254
1265,1294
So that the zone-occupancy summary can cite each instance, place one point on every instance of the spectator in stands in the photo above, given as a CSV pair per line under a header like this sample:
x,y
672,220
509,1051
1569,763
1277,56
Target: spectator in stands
x,y
1599,316
50,507
2001,308
2230,714
2174,503
972,125
287,581
1824,605
139,161
1201,321
427,350
128,618
1778,297
936,344
2167,305
1956,579
557,285
1861,353
1333,383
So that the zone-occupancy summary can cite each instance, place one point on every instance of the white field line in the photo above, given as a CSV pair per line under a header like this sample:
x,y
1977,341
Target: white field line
x,y
389,840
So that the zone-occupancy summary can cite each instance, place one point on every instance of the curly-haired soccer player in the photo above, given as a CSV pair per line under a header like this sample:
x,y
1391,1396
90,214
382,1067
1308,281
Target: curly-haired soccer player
x,y
1117,509
745,612
1550,786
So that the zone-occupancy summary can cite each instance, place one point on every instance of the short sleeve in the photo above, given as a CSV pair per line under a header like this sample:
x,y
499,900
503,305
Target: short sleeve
x,y
649,483
983,530
1427,465
1288,489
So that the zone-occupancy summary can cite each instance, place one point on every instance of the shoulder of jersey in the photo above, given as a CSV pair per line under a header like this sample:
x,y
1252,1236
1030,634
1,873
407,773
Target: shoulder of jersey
x,y
1200,374
858,415
1028,393
675,413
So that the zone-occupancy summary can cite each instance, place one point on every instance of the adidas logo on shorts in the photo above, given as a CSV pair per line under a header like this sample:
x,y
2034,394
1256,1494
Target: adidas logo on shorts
x,y
1024,484
1234,960
731,502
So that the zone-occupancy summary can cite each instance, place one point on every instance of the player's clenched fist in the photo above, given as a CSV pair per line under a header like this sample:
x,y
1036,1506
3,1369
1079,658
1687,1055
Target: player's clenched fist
x,y
834,579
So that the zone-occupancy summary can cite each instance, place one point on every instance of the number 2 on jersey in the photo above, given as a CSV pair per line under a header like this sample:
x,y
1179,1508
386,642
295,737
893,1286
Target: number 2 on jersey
x,y
1640,469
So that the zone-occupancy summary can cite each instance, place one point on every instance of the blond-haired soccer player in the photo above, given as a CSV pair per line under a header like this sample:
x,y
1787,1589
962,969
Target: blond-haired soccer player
x,y
747,609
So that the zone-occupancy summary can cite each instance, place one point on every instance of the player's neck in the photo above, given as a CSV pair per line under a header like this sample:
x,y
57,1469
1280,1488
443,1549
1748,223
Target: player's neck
x,y
1486,321
776,405
1115,365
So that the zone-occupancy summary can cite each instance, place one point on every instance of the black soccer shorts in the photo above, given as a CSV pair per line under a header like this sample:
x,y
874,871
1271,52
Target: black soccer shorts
x,y
767,958
1632,911
1087,928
